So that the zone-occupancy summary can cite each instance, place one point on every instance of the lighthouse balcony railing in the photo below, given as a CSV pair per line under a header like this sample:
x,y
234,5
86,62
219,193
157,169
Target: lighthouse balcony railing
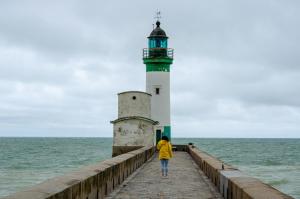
x,y
158,52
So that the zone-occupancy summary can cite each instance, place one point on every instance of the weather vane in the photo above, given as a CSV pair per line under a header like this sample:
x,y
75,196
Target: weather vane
x,y
158,15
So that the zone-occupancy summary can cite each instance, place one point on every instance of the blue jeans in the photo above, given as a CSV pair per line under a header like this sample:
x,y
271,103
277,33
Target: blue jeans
x,y
164,166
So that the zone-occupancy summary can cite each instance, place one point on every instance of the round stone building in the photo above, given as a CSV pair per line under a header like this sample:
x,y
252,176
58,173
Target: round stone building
x,y
134,127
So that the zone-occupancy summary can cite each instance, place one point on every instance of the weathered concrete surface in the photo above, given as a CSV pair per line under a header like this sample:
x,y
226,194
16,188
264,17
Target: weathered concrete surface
x,y
133,131
118,150
232,183
90,182
134,103
185,180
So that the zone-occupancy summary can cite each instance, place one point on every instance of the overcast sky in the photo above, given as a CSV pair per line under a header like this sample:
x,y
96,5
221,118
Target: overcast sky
x,y
236,70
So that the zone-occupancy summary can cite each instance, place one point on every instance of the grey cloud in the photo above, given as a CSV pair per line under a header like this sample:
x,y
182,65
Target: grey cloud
x,y
236,65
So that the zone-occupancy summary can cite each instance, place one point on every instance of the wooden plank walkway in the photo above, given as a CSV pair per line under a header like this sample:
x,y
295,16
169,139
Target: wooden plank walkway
x,y
185,180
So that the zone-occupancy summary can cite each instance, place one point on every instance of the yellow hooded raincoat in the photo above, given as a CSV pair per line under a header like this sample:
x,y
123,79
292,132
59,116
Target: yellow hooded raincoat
x,y
165,149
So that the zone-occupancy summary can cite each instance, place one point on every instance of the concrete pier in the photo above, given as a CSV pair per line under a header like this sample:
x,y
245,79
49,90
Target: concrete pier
x,y
185,180
192,174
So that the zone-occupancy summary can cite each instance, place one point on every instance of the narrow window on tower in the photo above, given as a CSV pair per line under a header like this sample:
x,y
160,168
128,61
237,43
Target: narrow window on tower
x,y
157,91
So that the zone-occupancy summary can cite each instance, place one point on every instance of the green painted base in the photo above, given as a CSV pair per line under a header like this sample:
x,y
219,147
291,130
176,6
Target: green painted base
x,y
167,132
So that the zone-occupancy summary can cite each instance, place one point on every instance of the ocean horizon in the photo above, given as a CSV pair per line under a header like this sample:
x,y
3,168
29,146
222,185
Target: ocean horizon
x,y
26,161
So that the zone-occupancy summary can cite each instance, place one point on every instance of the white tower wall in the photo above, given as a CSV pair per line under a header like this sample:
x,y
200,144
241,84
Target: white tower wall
x,y
160,103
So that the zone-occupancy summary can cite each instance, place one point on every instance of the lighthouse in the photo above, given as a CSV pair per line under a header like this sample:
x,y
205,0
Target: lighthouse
x,y
158,59
144,117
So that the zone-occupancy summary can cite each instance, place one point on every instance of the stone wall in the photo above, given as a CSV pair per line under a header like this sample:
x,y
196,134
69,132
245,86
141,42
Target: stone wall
x,y
180,147
231,182
134,103
91,182
133,132
119,150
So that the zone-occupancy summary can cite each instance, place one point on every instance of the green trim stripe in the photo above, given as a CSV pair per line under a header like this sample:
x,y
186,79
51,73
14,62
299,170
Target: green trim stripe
x,y
157,67
158,64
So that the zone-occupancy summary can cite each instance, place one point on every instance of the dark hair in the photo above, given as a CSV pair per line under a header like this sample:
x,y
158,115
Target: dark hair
x,y
165,138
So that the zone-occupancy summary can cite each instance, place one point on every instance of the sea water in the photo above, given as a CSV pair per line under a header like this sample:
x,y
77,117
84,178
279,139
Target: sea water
x,y
27,161
274,161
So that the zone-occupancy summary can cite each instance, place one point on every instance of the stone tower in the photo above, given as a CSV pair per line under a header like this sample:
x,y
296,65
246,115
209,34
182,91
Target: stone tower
x,y
158,58
134,127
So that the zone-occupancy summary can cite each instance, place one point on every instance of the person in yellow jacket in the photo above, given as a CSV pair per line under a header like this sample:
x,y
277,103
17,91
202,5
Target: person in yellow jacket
x,y
165,153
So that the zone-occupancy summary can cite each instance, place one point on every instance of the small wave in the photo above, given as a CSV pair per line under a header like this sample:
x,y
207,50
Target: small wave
x,y
279,182
272,163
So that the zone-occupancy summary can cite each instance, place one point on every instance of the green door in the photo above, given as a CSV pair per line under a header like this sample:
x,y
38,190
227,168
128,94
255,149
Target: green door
x,y
158,135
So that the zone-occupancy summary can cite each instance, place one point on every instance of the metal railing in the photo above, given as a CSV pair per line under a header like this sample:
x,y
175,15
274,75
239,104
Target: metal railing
x,y
158,52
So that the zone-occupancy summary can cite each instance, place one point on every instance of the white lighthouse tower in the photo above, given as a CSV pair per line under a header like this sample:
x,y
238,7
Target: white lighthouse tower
x,y
158,58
